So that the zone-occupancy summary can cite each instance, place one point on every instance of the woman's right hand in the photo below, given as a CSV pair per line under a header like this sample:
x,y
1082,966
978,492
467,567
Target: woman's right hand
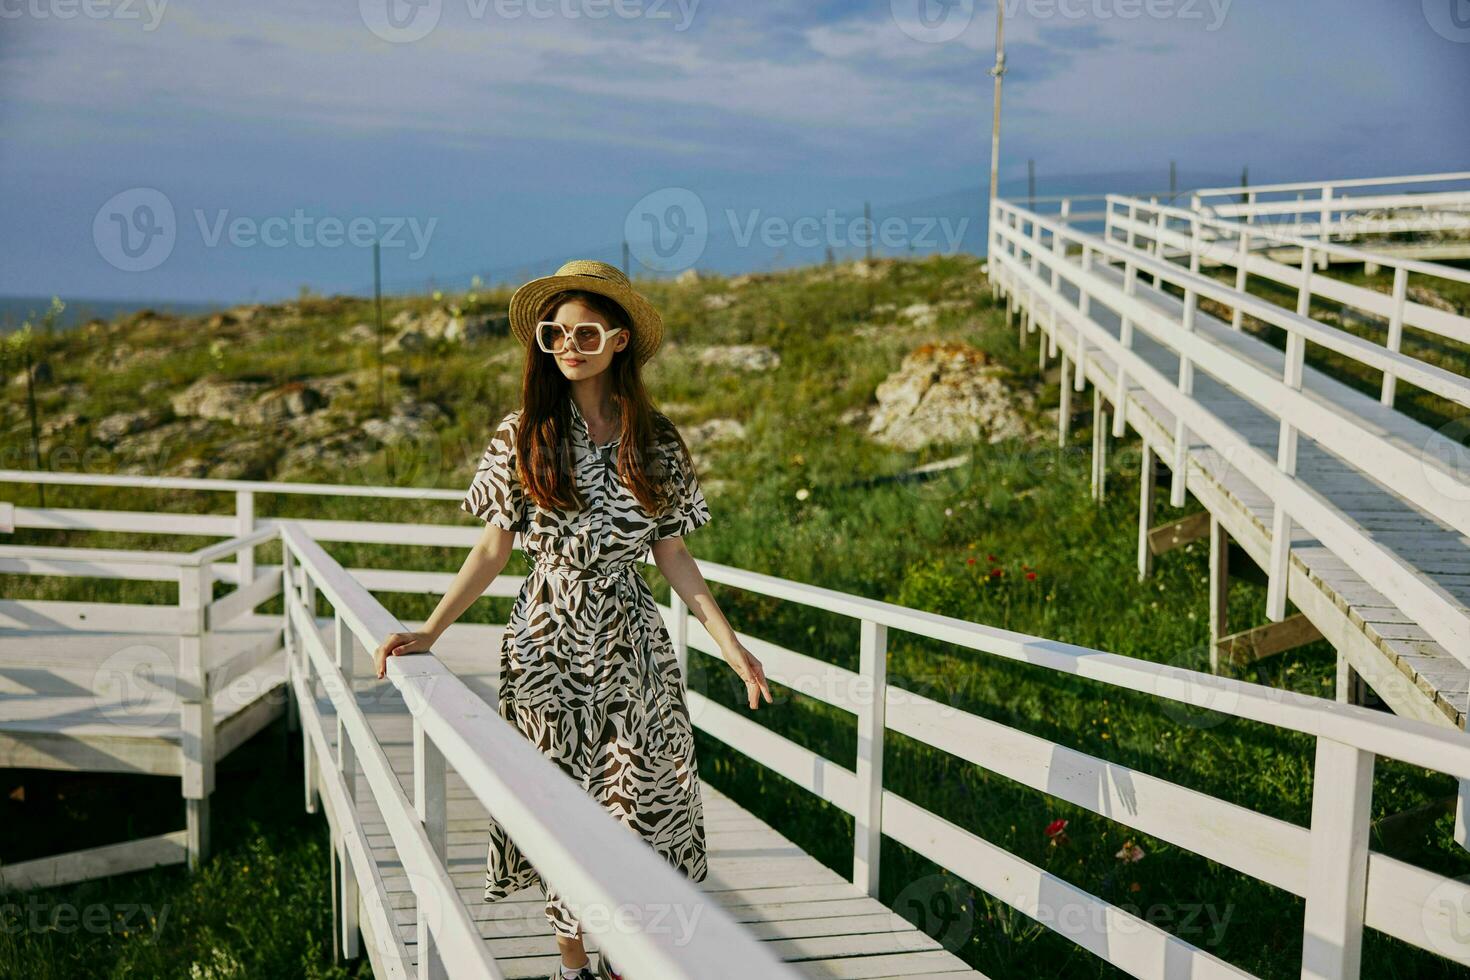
x,y
396,645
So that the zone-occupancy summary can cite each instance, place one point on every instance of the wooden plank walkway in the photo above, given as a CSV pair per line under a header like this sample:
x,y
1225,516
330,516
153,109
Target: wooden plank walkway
x,y
1347,608
104,701
816,919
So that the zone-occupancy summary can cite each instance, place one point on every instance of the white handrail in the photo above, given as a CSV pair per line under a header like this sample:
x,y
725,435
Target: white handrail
x,y
1345,884
571,840
1436,610
1317,185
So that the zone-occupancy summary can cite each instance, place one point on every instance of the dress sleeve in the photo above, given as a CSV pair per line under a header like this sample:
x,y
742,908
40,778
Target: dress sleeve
x,y
688,510
495,494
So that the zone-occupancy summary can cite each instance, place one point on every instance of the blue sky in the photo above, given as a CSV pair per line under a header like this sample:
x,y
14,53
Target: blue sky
x,y
516,133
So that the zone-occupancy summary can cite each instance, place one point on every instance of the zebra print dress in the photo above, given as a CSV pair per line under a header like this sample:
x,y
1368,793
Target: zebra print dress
x,y
588,672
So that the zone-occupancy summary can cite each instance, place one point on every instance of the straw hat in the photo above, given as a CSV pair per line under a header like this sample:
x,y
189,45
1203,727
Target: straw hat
x,y
594,277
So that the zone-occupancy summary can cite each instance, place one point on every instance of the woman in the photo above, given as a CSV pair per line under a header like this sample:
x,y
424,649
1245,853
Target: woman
x,y
593,478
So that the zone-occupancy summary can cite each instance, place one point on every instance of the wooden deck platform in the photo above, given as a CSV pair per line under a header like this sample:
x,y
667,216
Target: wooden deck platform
x,y
1413,673
105,700
816,919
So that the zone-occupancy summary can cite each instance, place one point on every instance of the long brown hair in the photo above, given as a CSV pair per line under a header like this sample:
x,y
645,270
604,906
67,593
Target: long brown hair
x,y
543,442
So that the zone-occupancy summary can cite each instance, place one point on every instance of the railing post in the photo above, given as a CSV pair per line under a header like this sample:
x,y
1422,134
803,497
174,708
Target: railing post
x,y
868,814
1286,445
1325,231
346,651
1084,306
430,804
1148,470
1337,877
1178,483
1395,330
1099,445
1242,276
309,760
680,633
288,638
244,524
1125,337
196,744
1064,410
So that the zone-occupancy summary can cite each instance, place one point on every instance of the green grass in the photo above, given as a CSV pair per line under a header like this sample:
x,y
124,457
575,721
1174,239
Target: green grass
x,y
260,907
1021,508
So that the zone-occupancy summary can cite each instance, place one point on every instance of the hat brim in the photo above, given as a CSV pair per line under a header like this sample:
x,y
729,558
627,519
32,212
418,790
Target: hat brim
x,y
527,301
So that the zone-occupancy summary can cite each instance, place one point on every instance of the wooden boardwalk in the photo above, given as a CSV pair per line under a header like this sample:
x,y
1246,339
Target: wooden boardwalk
x,y
814,918
1413,673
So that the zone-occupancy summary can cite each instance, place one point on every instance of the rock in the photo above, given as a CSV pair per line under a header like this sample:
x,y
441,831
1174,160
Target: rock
x,y
920,314
1428,297
57,424
945,393
290,401
408,339
338,452
41,373
857,415
718,301
714,430
740,357
114,427
410,422
687,278
477,326
361,333
221,320
157,444
215,398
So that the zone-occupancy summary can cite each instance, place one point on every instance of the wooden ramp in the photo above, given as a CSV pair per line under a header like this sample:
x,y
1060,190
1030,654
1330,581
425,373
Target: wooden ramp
x,y
1413,673
813,918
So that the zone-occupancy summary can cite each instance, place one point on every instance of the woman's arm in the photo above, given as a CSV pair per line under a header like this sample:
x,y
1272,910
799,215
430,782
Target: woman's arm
x,y
481,565
678,566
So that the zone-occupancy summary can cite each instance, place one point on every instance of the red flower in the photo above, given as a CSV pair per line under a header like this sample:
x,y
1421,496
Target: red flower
x,y
1031,576
1057,828
995,573
969,561
992,559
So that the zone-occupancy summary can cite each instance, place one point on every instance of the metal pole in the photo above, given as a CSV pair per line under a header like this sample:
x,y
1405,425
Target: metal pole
x,y
999,72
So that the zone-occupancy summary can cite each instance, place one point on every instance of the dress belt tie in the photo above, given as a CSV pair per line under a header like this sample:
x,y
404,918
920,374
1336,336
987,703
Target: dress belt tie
x,y
653,692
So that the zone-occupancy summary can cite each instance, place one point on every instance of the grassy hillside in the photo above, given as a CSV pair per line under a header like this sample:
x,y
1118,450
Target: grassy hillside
x,y
1010,540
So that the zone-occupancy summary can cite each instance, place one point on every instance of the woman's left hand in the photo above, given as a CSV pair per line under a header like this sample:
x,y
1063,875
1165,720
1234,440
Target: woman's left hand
x,y
751,672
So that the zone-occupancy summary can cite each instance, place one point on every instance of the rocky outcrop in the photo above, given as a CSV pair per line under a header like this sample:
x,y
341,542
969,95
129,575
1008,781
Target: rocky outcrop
x,y
945,393
740,357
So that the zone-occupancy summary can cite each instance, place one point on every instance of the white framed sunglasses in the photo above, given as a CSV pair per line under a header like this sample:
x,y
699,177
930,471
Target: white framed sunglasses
x,y
586,338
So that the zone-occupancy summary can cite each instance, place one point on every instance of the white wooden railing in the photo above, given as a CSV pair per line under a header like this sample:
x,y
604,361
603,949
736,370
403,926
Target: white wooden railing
x,y
1321,209
1049,262
1329,863
1202,240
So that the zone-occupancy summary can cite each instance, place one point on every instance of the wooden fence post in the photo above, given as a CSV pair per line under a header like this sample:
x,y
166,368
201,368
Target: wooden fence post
x,y
432,808
1337,878
196,743
1281,524
346,650
1395,330
868,816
